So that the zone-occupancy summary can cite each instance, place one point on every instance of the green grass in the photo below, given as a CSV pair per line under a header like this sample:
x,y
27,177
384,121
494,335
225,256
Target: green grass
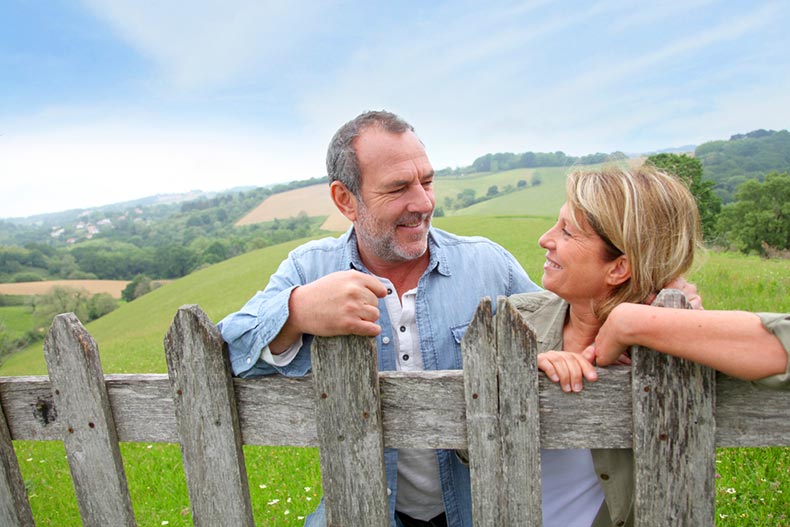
x,y
130,340
542,200
752,487
16,319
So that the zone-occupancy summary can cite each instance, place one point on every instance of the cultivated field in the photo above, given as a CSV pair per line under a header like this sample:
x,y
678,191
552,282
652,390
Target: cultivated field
x,y
113,287
313,201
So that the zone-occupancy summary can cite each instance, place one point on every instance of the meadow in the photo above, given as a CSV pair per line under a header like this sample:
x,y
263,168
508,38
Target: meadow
x,y
753,485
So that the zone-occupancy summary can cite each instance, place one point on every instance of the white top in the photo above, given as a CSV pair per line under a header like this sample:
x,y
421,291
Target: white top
x,y
572,495
419,490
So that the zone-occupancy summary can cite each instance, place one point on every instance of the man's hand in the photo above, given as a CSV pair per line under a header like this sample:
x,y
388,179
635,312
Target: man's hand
x,y
567,368
688,289
341,303
611,344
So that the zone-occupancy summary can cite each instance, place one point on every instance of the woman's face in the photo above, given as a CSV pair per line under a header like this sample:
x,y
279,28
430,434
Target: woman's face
x,y
576,266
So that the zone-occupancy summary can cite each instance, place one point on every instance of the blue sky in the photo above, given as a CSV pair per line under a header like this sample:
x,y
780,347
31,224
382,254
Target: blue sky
x,y
110,100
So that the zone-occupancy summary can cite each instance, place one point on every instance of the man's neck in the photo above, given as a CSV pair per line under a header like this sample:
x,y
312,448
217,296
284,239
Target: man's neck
x,y
403,275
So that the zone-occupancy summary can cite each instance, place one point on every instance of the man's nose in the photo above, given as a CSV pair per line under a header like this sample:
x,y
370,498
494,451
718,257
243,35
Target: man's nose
x,y
421,199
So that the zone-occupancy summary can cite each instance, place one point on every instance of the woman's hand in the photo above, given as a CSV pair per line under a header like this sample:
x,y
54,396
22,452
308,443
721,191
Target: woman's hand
x,y
567,368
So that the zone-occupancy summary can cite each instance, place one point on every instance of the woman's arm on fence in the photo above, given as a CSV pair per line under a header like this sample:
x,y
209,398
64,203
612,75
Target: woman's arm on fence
x,y
733,342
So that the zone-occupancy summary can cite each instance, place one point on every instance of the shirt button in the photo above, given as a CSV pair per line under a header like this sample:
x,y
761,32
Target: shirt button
x,y
385,340
604,477
389,290
249,360
389,491
402,329
405,357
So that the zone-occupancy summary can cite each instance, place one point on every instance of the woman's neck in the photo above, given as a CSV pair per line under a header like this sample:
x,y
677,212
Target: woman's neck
x,y
581,327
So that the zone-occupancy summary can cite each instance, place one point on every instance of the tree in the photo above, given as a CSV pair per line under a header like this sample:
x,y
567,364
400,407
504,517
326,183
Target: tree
x,y
100,304
62,300
760,215
493,190
139,286
689,169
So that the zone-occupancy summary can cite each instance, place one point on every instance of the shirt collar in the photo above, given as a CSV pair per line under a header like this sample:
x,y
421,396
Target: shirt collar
x,y
552,320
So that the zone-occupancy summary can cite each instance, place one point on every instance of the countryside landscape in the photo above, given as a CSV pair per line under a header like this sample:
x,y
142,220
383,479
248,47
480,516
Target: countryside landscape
x,y
125,269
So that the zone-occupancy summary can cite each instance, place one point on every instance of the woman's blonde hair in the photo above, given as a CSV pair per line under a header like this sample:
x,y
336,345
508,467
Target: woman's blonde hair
x,y
647,215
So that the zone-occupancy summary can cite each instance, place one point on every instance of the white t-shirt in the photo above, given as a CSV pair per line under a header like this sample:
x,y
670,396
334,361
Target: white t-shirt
x,y
572,495
419,489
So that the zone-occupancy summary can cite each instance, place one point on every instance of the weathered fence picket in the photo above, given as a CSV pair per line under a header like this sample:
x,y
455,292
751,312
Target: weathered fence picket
x,y
88,425
674,436
350,438
207,422
499,409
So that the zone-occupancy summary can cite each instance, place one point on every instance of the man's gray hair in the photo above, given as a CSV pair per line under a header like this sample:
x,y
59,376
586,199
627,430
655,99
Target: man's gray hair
x,y
341,158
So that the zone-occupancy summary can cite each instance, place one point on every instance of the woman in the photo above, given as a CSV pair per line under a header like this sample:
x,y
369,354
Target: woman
x,y
620,237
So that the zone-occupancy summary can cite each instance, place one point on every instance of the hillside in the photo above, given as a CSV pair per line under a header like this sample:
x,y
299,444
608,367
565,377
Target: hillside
x,y
113,287
742,157
543,199
313,201
130,338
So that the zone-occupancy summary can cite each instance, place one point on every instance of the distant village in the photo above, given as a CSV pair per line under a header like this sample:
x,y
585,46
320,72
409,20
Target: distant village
x,y
86,229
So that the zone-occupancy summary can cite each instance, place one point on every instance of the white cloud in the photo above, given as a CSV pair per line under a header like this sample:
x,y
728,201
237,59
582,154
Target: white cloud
x,y
204,45
98,164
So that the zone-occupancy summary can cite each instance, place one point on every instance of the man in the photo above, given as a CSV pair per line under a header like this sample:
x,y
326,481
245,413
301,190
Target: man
x,y
392,276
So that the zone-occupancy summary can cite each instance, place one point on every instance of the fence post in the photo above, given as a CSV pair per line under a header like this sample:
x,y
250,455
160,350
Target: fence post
x,y
207,421
519,417
89,434
503,417
482,415
674,436
350,436
14,504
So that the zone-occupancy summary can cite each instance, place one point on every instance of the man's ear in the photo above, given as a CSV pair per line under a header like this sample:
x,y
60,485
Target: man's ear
x,y
345,200
619,271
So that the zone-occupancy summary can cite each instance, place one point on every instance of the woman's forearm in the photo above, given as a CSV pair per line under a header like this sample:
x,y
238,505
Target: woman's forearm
x,y
733,342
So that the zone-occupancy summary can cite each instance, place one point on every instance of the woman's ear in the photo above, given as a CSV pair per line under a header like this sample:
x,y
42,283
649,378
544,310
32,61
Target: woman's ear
x,y
619,271
345,200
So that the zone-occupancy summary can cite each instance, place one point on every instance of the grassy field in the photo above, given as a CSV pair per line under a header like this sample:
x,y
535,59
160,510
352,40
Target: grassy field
x,y
753,487
17,320
542,200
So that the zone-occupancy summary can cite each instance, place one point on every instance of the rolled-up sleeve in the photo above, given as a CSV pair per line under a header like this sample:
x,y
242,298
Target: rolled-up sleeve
x,y
250,330
779,325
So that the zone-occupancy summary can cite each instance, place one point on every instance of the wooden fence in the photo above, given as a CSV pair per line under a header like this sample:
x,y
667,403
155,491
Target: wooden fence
x,y
672,413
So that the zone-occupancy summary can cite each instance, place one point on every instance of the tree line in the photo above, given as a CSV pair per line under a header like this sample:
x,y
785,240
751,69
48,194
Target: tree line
x,y
160,243
757,220
509,161
744,157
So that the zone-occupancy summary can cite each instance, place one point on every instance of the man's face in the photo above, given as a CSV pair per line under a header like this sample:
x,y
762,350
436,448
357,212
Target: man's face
x,y
394,214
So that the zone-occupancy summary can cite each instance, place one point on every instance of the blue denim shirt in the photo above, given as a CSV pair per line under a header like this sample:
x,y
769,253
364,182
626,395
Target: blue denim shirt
x,y
461,271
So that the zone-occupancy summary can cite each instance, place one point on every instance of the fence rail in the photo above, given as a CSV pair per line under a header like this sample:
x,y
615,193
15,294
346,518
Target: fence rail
x,y
672,413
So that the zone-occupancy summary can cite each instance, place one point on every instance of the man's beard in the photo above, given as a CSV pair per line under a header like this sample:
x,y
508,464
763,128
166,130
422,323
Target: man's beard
x,y
381,238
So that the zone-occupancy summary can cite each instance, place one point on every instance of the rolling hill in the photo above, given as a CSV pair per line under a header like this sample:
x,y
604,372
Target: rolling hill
x,y
543,200
130,338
